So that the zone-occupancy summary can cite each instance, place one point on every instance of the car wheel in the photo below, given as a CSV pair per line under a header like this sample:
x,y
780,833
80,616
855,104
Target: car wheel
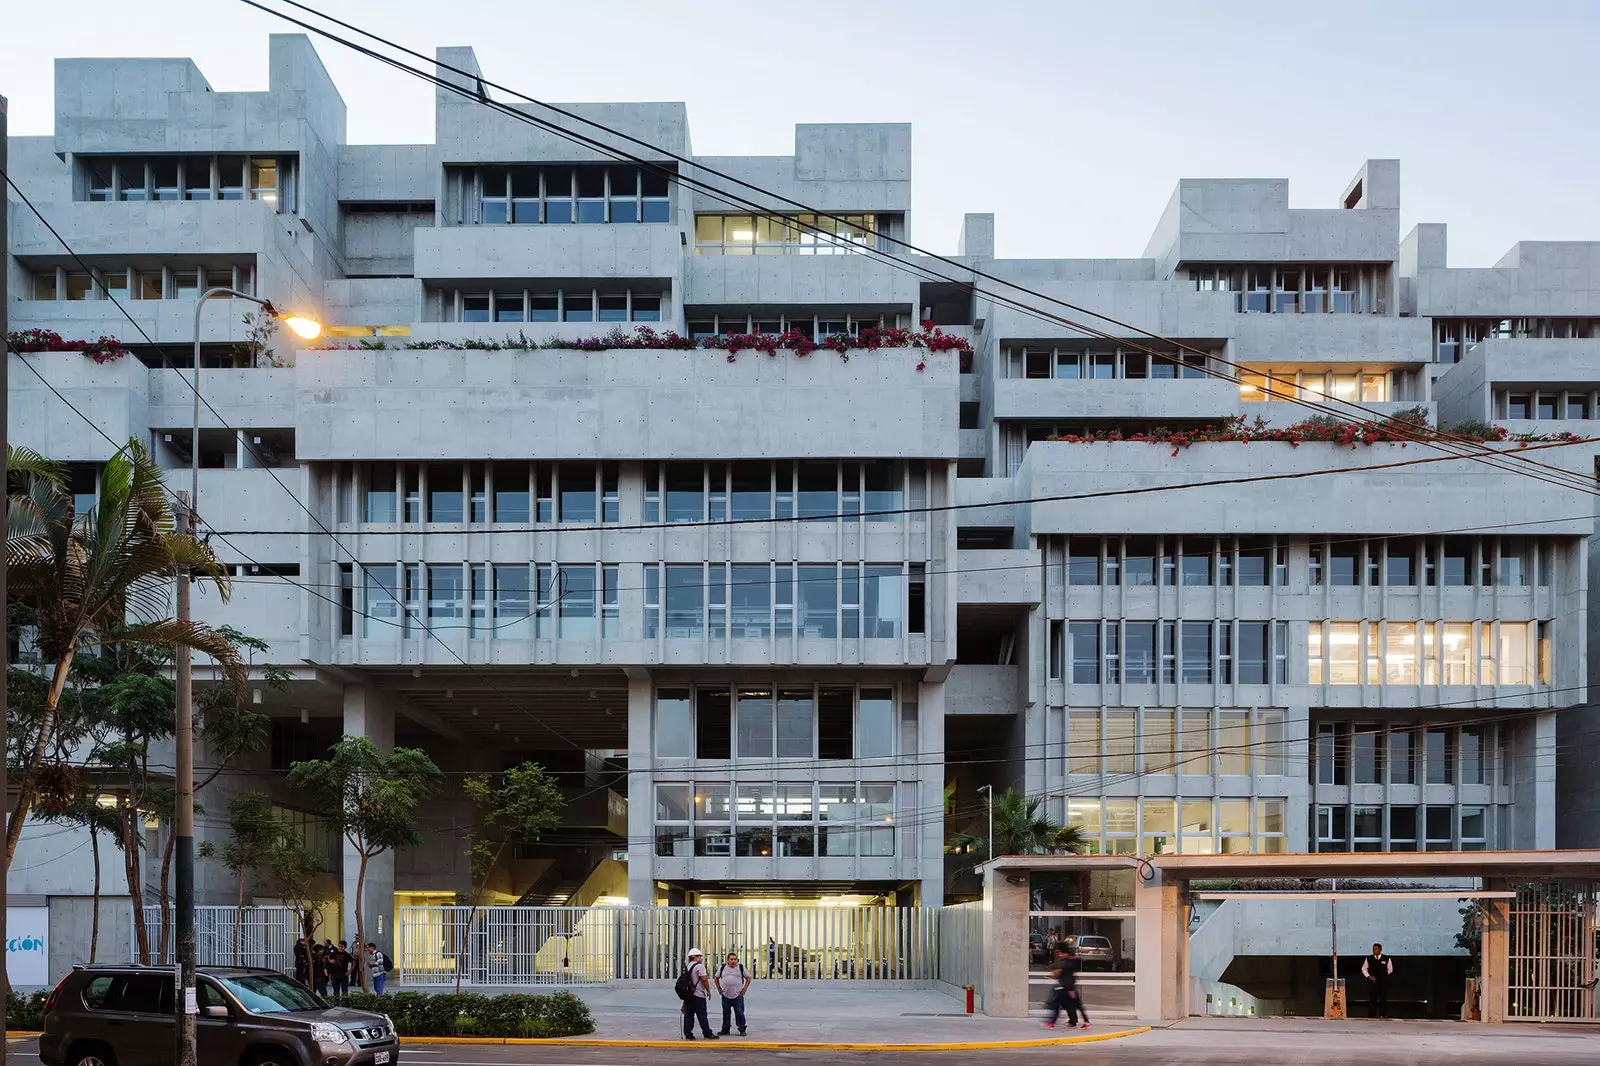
x,y
271,1058
91,1056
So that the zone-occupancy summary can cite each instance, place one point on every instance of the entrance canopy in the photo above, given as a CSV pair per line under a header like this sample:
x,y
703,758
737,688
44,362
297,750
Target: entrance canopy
x,y
1161,910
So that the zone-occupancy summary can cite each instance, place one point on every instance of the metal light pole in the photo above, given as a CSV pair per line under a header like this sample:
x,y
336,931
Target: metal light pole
x,y
184,1003
989,840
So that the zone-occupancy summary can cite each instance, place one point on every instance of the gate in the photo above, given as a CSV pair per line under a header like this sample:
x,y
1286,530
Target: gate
x,y
508,946
1555,952
266,937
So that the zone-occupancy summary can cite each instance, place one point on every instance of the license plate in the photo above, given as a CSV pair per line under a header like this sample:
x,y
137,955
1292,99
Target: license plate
x,y
380,1057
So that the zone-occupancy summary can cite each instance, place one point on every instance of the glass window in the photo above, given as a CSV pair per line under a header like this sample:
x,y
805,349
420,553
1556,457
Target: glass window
x,y
1457,561
264,180
1255,563
1344,653
655,206
511,496
1333,828
1439,823
1083,561
1196,562
818,592
1440,755
836,810
1472,756
875,729
796,724
752,491
1402,757
1401,563
674,740
578,499
1458,664
475,308
44,285
1158,825
1366,755
381,498
1271,751
1474,829
752,601
445,584
1233,744
512,605
1368,825
1251,653
380,605
1139,653
755,723
1159,743
558,196
577,307
1120,741
614,307
686,494
544,308
1084,652
884,593
80,286
685,601
576,605
1139,562
508,307
819,489
1400,653
646,308
1517,651
1344,564
1083,741
1197,653
445,497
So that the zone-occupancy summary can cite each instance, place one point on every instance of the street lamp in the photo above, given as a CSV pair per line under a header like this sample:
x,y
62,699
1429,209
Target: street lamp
x,y
184,1002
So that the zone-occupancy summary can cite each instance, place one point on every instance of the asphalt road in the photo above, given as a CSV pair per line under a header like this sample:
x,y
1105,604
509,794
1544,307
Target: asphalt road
x,y
1194,1043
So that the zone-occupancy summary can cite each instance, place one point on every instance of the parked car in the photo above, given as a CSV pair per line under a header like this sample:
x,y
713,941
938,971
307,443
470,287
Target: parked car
x,y
1095,952
122,1016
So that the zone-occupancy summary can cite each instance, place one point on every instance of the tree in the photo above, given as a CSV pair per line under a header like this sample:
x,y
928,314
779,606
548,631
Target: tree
x,y
253,835
511,808
372,798
1021,829
298,880
85,578
226,727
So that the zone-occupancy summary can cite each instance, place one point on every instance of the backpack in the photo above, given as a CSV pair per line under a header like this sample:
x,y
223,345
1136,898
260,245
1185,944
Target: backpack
x,y
685,986
388,963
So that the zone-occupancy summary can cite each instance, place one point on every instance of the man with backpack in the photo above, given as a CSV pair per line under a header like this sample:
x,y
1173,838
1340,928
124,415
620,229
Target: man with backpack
x,y
1065,993
694,989
378,966
732,983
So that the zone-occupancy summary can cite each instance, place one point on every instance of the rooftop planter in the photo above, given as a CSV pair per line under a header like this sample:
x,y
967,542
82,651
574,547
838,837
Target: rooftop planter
x,y
1402,428
930,338
29,341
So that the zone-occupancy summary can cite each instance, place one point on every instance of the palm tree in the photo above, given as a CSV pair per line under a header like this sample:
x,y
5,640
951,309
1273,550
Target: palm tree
x,y
98,580
1021,829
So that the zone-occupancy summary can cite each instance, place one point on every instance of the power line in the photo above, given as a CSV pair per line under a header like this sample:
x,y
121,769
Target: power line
x,y
1482,455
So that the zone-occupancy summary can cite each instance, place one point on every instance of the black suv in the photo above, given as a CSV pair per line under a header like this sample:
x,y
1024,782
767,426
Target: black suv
x,y
122,1016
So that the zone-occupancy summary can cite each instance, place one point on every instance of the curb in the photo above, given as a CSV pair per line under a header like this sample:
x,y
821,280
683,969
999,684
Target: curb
x,y
780,1045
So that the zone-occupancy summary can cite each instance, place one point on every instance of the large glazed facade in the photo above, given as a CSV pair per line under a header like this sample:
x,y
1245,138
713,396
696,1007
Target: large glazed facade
x,y
775,619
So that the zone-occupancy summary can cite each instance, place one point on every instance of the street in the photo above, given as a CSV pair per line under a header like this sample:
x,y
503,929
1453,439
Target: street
x,y
1202,1041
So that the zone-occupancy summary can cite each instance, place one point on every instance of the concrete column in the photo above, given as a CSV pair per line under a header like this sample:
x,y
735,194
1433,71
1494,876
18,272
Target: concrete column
x,y
930,791
1494,974
641,790
1005,943
366,715
1161,952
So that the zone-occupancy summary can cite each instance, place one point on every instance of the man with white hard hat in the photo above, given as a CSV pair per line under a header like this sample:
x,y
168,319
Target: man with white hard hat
x,y
694,989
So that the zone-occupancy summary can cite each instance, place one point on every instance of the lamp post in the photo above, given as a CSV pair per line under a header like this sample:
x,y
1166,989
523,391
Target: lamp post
x,y
989,840
184,1003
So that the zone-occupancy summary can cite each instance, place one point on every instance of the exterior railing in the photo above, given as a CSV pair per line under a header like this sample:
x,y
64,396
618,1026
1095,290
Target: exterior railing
x,y
586,945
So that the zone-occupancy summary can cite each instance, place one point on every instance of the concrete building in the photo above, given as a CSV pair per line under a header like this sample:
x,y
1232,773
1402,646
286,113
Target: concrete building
x,y
650,570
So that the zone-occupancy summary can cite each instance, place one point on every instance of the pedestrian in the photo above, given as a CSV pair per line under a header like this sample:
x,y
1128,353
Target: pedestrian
x,y
1377,968
377,967
1065,994
339,969
694,989
302,960
732,983
319,969
772,955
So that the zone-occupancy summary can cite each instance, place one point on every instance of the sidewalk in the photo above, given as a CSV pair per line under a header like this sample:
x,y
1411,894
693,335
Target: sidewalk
x,y
799,1012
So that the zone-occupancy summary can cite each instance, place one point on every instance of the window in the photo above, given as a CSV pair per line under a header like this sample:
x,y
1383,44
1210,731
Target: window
x,y
1271,749
751,595
1083,561
1401,563
1402,757
755,724
1439,825
1139,653
1158,746
1400,653
1196,561
1474,829
1120,742
1402,829
1233,744
1280,652
578,498
1472,756
1084,639
685,490
875,726
1366,755
674,737
1083,741
805,234
1194,728
512,606
1458,662
652,600
576,604
1333,828
883,602
379,603
713,724
1139,562
818,601
1332,755
796,724
685,601
1197,653
1251,653
611,603
1368,825
1057,647
1439,756
1344,653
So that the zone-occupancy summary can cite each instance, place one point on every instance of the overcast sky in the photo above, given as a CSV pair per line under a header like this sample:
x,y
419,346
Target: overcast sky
x,y
1071,121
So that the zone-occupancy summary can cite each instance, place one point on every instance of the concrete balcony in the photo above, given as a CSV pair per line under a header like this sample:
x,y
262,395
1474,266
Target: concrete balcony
x,y
170,323
255,398
470,253
1466,390
985,690
1355,341
1288,414
1429,493
269,608
163,229
622,405
111,395
809,280
1052,399
998,577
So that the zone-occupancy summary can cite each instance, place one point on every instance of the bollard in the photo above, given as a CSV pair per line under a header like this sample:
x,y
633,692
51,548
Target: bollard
x,y
970,990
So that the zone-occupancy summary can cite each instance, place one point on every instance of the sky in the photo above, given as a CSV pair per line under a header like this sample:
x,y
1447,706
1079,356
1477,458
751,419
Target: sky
x,y
1071,121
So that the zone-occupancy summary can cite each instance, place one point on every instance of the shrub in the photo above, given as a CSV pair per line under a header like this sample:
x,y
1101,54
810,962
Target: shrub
x,y
26,1013
472,1014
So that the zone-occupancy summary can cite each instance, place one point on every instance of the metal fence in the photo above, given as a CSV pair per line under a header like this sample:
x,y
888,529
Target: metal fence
x,y
1555,952
583,945
961,945
266,937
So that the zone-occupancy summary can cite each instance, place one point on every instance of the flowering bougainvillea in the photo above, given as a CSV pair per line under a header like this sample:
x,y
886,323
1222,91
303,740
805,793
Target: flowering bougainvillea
x,y
1401,429
930,338
26,341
